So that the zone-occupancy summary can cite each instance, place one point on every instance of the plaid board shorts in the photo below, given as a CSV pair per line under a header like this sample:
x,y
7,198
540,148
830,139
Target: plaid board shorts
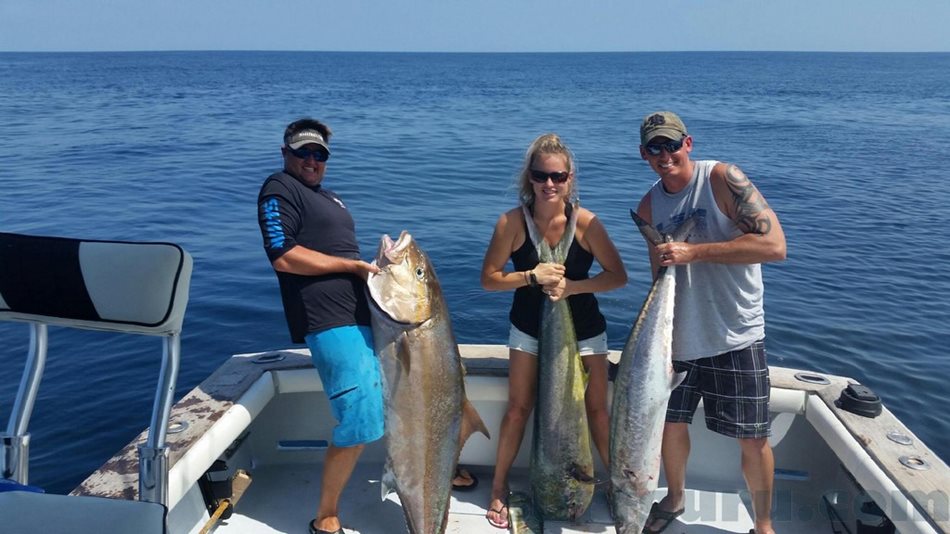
x,y
734,387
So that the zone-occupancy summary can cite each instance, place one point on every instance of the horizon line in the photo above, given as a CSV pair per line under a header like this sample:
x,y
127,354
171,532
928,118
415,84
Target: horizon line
x,y
267,50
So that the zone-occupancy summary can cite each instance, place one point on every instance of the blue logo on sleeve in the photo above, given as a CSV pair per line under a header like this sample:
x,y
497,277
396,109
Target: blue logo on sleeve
x,y
275,232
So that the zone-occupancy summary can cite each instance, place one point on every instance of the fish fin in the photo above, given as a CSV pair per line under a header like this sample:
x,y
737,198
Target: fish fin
x,y
579,474
523,517
677,380
402,352
649,232
681,232
388,483
471,422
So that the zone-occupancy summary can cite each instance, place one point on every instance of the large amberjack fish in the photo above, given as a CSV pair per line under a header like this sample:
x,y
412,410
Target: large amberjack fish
x,y
428,417
642,388
562,467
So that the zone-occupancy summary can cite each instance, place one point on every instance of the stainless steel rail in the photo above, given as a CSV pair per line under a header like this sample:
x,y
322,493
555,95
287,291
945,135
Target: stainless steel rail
x,y
15,456
155,277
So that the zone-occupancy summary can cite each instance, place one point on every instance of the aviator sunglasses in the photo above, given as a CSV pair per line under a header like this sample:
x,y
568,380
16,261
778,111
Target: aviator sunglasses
x,y
558,177
654,149
319,154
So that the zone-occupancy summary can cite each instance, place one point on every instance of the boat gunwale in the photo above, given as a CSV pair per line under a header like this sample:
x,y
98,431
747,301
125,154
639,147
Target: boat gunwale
x,y
204,405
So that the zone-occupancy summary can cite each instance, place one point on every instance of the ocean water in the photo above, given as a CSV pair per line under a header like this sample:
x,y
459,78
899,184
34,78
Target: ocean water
x,y
849,149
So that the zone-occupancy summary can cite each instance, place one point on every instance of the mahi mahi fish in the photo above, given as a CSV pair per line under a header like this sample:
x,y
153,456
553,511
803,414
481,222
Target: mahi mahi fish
x,y
642,388
562,467
428,417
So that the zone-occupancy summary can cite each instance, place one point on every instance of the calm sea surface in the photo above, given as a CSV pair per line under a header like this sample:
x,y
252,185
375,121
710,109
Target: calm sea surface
x,y
851,150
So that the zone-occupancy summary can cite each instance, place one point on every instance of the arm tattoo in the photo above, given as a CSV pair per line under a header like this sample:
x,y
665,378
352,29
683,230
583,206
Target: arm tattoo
x,y
748,203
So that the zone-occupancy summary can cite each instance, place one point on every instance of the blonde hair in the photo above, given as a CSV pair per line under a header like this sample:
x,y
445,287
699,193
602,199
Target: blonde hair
x,y
548,143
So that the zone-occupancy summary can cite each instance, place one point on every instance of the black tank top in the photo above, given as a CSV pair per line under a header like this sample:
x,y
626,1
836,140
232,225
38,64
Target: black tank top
x,y
525,312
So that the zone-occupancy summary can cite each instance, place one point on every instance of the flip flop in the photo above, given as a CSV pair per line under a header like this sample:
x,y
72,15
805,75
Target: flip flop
x,y
499,511
314,530
464,473
657,514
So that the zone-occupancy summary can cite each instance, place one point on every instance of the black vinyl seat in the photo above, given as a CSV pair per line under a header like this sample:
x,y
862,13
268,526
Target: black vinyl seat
x,y
116,286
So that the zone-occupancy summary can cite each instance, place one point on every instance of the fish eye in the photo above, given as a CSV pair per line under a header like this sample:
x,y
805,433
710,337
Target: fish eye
x,y
420,272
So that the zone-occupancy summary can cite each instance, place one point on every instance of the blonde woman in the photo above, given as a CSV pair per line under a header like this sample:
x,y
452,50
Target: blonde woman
x,y
548,194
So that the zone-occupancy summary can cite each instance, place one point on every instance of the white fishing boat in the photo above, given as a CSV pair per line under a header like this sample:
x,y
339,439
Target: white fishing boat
x,y
243,451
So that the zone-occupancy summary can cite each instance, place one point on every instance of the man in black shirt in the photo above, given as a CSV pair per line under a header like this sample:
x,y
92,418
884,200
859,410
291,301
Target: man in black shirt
x,y
310,239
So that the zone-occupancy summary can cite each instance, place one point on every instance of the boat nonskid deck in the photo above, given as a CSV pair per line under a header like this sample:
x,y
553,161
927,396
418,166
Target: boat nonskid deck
x,y
283,498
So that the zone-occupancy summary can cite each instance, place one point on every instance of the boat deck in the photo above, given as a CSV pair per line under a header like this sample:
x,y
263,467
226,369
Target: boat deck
x,y
282,498
254,403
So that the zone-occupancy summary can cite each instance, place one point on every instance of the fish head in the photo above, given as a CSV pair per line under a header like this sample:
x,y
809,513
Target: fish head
x,y
630,515
406,288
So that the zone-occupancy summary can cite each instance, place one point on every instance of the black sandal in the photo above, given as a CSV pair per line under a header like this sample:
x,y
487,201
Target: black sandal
x,y
503,510
465,474
662,515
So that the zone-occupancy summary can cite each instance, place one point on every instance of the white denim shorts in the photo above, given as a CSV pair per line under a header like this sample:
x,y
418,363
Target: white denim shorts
x,y
518,340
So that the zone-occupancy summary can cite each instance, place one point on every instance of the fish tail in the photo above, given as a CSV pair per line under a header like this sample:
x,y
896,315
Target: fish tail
x,y
681,232
651,234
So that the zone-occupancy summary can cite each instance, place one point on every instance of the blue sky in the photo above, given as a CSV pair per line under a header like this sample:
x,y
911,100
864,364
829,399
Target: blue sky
x,y
475,25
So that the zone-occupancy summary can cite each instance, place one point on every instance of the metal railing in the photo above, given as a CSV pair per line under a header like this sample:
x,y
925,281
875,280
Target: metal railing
x,y
163,293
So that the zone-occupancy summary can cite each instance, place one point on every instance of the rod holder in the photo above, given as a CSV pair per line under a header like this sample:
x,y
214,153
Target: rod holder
x,y
153,474
15,458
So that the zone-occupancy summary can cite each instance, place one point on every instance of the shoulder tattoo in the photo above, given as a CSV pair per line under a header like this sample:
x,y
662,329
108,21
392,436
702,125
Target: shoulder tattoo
x,y
748,203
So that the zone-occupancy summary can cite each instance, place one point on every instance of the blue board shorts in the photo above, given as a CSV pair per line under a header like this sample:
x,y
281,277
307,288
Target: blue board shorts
x,y
344,359
735,389
518,340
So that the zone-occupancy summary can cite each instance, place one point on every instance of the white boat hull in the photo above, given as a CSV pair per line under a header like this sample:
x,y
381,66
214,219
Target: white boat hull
x,y
278,422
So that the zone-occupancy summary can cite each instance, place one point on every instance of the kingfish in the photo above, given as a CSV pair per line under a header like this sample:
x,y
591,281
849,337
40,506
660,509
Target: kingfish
x,y
561,471
427,415
641,391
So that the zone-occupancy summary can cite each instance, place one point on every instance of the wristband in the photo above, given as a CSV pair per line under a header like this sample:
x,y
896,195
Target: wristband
x,y
534,279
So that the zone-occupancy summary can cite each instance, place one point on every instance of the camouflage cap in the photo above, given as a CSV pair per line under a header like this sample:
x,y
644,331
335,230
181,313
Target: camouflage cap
x,y
662,124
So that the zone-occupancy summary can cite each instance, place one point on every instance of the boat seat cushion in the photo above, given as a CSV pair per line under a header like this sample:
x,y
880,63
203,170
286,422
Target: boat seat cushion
x,y
26,512
115,286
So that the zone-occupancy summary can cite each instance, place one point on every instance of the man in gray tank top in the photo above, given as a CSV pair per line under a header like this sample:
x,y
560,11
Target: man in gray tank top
x,y
719,323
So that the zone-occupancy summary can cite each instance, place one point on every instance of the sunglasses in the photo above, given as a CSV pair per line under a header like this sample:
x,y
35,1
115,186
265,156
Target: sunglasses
x,y
558,177
669,146
318,154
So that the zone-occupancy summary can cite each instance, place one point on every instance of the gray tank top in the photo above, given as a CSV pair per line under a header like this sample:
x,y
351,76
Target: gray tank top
x,y
718,305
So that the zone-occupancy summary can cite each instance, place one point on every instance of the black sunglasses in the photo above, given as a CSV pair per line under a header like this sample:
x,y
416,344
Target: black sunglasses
x,y
558,177
318,154
654,149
